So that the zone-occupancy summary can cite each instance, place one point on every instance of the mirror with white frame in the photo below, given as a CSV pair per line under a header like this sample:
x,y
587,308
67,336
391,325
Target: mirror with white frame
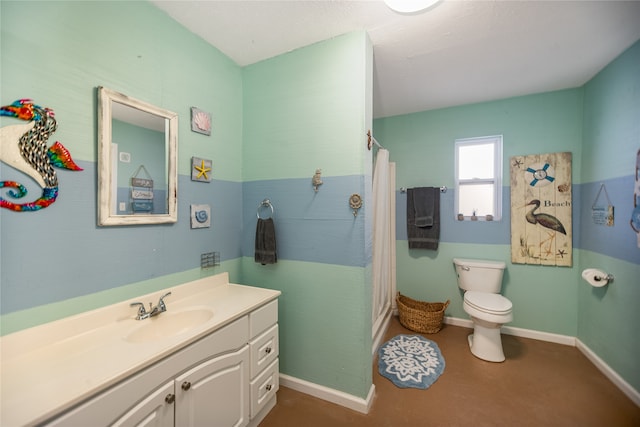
x,y
137,161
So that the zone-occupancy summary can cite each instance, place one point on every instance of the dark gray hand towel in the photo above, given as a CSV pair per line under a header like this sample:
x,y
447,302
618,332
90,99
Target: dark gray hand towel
x,y
423,203
423,236
265,252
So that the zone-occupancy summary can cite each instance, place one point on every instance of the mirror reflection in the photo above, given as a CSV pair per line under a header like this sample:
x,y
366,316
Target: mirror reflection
x,y
137,161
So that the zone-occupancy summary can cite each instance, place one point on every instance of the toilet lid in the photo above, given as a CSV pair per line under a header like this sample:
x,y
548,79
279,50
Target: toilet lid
x,y
490,303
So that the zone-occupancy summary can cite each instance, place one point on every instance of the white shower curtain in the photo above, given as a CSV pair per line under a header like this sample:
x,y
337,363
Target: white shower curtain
x,y
383,263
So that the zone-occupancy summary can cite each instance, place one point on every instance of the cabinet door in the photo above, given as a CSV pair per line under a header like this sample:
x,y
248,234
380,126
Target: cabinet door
x,y
156,410
215,393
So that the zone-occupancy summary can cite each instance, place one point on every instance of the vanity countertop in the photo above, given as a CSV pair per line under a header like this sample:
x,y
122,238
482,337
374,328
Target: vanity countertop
x,y
52,367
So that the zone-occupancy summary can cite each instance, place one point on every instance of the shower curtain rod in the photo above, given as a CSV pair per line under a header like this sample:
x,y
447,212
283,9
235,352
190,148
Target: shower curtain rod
x,y
371,139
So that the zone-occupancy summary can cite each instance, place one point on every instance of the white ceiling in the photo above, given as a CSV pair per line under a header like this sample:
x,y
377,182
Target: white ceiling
x,y
458,52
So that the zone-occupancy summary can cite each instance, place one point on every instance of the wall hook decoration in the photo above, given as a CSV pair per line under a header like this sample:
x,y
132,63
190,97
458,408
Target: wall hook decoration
x,y
24,147
355,202
316,181
602,214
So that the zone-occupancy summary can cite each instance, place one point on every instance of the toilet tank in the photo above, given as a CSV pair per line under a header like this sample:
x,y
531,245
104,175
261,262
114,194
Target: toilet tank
x,y
479,275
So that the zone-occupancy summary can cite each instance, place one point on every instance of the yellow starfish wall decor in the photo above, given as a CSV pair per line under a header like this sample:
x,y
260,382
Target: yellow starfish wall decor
x,y
201,169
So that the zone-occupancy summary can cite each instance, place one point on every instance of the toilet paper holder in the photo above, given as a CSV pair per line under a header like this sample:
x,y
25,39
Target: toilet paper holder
x,y
608,277
596,277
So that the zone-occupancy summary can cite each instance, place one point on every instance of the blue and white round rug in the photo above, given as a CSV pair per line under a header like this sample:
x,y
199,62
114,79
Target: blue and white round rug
x,y
410,361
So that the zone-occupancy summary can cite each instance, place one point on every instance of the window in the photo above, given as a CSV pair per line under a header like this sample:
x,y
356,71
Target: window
x,y
479,177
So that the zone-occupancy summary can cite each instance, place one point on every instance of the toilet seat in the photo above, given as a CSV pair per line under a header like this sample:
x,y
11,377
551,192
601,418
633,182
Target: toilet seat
x,y
488,303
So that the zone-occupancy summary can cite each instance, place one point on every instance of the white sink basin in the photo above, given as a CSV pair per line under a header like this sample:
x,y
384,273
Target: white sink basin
x,y
168,324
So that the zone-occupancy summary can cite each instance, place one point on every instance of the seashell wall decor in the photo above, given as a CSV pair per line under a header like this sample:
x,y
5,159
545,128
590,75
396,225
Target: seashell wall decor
x,y
200,121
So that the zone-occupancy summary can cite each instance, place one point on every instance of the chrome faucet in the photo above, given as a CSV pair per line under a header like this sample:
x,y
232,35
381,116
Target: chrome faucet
x,y
153,311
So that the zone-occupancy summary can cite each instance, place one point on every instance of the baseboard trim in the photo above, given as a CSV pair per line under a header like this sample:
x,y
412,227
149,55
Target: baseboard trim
x,y
615,378
518,332
331,395
602,366
364,405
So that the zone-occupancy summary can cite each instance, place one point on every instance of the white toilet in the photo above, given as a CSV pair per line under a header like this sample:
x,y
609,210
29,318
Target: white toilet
x,y
481,281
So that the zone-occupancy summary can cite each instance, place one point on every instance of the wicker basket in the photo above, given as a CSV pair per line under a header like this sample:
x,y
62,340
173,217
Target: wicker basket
x,y
419,316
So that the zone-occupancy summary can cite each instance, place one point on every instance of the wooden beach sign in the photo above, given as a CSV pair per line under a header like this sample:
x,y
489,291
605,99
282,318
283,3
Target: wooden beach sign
x,y
541,207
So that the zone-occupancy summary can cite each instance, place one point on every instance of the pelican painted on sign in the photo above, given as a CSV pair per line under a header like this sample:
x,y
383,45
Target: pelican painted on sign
x,y
545,220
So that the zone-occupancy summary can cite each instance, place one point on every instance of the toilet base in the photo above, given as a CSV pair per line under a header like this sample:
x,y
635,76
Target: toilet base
x,y
486,343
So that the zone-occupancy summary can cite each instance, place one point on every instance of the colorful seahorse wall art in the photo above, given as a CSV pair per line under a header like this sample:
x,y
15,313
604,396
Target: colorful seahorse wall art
x,y
24,147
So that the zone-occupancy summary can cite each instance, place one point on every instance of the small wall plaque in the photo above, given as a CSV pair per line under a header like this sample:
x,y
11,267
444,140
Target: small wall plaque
x,y
200,121
602,215
200,216
201,169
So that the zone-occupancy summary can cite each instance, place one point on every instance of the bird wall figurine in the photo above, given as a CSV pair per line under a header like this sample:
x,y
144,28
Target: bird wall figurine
x,y
316,181
545,220
24,147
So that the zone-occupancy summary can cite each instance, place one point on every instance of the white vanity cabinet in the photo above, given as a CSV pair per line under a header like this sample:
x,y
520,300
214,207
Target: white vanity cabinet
x,y
227,378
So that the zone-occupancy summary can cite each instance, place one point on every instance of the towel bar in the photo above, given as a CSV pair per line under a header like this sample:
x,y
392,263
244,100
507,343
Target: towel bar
x,y
443,189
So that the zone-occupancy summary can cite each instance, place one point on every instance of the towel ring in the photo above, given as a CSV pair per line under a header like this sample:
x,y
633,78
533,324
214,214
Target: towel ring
x,y
265,203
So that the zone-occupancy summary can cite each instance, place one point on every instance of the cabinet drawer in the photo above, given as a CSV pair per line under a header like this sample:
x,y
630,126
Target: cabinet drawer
x,y
264,350
264,387
263,318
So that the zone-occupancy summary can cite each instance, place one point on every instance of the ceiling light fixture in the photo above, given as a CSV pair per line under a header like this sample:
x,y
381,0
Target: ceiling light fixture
x,y
410,6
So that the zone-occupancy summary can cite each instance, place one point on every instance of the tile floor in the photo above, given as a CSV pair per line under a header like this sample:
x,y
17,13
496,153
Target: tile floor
x,y
540,384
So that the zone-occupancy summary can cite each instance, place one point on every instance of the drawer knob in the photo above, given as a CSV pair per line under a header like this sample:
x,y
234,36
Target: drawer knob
x,y
267,350
170,398
268,387
186,385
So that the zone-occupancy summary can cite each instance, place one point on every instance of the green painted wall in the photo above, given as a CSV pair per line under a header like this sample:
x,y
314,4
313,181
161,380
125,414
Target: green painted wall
x,y
71,47
302,111
306,110
277,120
608,317
325,337
600,124
280,120
543,299
422,145
19,320
58,53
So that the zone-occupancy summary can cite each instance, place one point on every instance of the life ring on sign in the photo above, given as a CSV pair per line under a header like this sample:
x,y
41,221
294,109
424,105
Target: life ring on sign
x,y
539,174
